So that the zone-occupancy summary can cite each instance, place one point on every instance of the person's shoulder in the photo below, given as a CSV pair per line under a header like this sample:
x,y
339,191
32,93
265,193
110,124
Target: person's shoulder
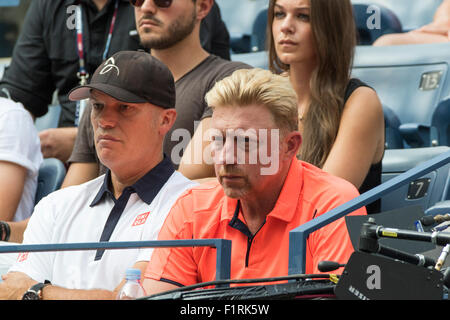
x,y
8,106
176,185
219,67
363,104
14,118
213,59
356,85
200,207
202,197
49,5
76,193
324,191
320,183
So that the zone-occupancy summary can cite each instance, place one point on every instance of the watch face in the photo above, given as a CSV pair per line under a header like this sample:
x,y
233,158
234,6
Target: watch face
x,y
30,295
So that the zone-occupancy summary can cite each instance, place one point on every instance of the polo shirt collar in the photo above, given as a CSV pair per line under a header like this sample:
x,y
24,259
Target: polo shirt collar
x,y
287,201
146,187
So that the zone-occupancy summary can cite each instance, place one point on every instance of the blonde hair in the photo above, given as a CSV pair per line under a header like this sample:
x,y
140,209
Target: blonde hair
x,y
258,87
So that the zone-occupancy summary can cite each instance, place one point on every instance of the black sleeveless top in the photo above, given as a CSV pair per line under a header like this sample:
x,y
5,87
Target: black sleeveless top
x,y
373,177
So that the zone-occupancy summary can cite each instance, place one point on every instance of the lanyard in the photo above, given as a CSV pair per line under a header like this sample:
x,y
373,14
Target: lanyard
x,y
82,74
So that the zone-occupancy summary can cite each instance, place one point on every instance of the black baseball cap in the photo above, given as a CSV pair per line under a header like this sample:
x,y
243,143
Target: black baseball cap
x,y
133,77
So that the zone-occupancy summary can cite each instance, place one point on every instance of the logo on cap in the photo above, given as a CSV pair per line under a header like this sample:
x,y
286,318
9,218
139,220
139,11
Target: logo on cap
x,y
110,65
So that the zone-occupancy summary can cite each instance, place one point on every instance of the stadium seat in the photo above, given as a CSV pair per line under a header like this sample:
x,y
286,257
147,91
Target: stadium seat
x,y
411,13
255,41
425,191
442,207
441,121
9,3
419,135
393,139
259,31
50,178
389,22
415,135
413,81
50,119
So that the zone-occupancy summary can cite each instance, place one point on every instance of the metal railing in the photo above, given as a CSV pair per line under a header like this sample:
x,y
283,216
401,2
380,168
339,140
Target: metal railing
x,y
223,247
299,235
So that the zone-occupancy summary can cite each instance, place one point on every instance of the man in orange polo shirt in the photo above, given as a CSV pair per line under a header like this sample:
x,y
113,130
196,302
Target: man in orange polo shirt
x,y
262,191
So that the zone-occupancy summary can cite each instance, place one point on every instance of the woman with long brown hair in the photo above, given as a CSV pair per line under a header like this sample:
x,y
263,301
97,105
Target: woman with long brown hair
x,y
341,119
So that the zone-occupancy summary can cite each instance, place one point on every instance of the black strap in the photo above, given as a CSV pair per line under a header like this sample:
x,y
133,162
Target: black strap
x,y
5,231
113,218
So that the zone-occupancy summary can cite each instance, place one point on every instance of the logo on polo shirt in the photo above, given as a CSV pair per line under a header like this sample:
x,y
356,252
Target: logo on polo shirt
x,y
22,257
140,219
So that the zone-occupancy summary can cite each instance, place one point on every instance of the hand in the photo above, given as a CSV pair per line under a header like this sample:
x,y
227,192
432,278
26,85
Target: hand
x,y
58,143
14,285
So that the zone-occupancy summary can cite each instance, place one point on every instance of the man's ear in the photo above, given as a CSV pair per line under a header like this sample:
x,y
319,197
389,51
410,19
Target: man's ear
x,y
167,119
293,141
203,8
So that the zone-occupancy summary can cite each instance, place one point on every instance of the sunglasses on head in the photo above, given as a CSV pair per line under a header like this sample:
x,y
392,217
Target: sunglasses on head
x,y
158,3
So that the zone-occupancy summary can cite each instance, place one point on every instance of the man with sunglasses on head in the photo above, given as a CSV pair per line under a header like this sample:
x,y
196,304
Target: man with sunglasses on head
x,y
170,29
130,116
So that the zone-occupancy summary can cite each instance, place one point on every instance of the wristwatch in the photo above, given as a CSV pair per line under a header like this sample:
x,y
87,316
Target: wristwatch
x,y
35,292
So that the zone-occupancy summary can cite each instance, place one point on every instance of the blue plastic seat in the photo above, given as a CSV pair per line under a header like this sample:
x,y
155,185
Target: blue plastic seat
x,y
260,31
425,191
416,135
50,119
254,42
393,139
413,80
441,122
389,22
50,178
442,207
9,3
419,135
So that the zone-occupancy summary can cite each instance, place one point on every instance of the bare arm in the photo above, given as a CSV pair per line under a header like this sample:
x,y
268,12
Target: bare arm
x,y
154,286
15,284
79,173
360,139
443,11
196,162
17,228
435,32
58,143
12,177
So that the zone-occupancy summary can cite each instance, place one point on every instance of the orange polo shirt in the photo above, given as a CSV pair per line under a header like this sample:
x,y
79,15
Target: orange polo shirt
x,y
205,212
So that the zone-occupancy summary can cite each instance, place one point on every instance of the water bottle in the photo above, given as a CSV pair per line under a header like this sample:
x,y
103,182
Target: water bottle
x,y
132,288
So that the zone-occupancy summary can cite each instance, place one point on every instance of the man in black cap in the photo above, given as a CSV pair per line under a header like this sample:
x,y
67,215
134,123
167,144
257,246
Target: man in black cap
x,y
170,29
62,43
130,117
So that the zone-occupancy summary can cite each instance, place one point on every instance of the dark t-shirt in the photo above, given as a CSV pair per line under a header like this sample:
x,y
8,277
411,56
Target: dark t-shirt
x,y
45,57
190,105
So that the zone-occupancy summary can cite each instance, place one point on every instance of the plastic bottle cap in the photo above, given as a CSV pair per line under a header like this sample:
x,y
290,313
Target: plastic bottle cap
x,y
133,273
